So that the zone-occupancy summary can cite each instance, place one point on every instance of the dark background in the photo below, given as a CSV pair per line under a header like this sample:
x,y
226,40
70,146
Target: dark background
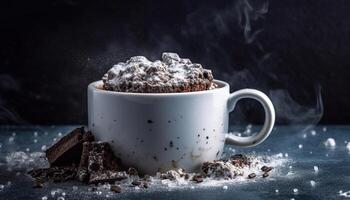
x,y
298,52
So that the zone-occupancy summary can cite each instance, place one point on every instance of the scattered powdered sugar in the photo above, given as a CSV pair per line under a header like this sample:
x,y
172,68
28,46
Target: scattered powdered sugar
x,y
312,183
257,162
173,179
344,194
177,179
11,139
295,190
313,132
330,143
171,74
224,175
57,192
22,160
348,146
43,148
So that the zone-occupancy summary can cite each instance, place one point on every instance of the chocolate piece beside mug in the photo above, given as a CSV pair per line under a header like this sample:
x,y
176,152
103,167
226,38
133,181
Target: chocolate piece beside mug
x,y
69,148
98,164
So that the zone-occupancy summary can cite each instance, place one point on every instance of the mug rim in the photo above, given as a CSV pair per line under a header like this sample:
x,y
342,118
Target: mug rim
x,y
93,86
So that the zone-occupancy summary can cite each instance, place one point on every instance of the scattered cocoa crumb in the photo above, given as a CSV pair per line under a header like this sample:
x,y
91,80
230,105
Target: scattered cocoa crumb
x,y
37,184
197,178
173,174
132,171
145,184
116,189
266,168
136,183
239,160
265,175
107,176
252,175
55,174
187,176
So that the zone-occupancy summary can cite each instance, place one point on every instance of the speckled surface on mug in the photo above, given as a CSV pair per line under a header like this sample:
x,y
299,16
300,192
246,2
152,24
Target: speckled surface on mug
x,y
163,131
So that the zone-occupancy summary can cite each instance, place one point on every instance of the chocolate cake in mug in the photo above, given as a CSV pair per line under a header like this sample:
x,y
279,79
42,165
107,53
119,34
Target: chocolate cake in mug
x,y
169,75
164,115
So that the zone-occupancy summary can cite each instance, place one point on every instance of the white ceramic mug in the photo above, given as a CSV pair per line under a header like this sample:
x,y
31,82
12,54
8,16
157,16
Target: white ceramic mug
x,y
160,131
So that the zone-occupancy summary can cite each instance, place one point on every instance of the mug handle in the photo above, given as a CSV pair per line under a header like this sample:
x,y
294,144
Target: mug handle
x,y
269,117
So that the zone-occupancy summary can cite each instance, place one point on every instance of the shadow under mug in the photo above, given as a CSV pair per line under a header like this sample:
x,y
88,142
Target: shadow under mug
x,y
160,131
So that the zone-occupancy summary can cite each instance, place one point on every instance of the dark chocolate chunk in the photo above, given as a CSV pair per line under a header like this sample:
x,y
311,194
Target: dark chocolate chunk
x,y
98,162
83,174
84,159
252,175
116,189
102,158
69,148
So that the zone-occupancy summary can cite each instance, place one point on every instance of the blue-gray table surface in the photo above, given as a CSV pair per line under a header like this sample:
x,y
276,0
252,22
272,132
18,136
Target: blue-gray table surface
x,y
333,164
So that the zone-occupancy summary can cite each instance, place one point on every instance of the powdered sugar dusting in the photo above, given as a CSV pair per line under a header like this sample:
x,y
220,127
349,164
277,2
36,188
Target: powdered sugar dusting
x,y
239,174
21,160
171,74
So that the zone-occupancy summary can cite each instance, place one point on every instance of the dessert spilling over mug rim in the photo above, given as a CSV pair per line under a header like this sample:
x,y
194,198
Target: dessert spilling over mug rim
x,y
97,86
